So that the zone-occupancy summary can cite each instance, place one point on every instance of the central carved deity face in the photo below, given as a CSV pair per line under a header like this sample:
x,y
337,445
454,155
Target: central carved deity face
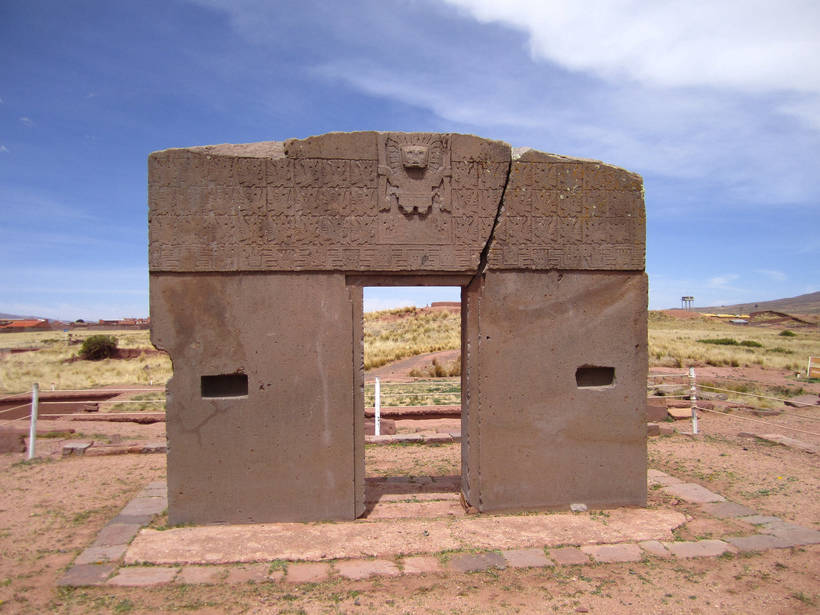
x,y
414,156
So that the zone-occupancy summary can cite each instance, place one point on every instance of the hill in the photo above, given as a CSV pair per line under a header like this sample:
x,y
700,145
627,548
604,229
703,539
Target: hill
x,y
802,304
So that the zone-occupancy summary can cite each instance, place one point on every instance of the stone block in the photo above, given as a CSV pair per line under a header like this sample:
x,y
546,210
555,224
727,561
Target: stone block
x,y
98,555
116,534
308,572
144,576
795,534
758,542
693,493
142,505
701,548
476,562
568,556
75,448
248,573
357,569
12,442
760,519
726,510
87,574
386,426
201,575
656,477
623,552
654,547
526,558
656,410
653,429
421,564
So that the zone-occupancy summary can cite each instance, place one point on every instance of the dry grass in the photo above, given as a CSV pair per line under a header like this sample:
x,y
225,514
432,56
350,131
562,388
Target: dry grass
x,y
51,364
392,335
674,343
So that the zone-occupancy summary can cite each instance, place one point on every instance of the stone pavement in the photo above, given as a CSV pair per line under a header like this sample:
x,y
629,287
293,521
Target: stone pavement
x,y
125,554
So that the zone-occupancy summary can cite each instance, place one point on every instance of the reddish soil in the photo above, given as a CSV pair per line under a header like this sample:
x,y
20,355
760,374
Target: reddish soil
x,y
400,370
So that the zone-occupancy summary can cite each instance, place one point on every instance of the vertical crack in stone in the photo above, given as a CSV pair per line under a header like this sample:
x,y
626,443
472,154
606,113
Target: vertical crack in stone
x,y
485,252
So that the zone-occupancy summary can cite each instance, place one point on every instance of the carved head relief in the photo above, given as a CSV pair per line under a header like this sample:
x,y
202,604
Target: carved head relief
x,y
414,156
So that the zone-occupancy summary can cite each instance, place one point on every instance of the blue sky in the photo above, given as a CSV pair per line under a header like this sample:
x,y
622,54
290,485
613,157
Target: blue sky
x,y
716,104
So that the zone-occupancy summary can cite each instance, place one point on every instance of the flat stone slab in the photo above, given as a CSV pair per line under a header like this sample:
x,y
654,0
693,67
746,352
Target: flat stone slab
x,y
795,534
693,493
569,556
701,548
87,574
390,538
427,510
421,564
758,542
143,505
97,555
309,572
654,547
476,562
625,552
201,575
526,558
75,448
789,442
656,477
140,576
357,569
116,534
760,519
726,510
248,573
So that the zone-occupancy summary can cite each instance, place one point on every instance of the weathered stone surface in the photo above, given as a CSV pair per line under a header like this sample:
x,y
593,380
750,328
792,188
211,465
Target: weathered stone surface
x,y
795,534
307,572
760,519
475,562
656,477
421,564
613,553
142,576
654,547
569,556
116,534
87,574
257,257
75,448
555,440
759,542
12,442
526,558
201,575
364,568
98,555
726,510
248,573
701,548
656,410
693,493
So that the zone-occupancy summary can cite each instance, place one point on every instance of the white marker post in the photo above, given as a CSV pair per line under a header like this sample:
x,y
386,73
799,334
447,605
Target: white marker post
x,y
32,431
693,399
378,409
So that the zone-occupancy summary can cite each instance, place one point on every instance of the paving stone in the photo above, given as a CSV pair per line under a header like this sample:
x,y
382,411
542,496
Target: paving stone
x,y
653,429
760,519
474,562
526,558
701,548
141,520
96,555
140,576
308,572
693,493
421,564
789,442
569,556
357,569
656,477
87,574
654,547
795,534
623,552
248,573
758,542
116,534
726,510
201,575
145,505
666,430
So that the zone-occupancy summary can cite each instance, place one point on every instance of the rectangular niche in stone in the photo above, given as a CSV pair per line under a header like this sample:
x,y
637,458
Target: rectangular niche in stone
x,y
225,385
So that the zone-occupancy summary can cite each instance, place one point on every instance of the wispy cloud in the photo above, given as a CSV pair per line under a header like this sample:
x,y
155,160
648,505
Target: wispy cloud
x,y
3,148
722,281
772,274
26,121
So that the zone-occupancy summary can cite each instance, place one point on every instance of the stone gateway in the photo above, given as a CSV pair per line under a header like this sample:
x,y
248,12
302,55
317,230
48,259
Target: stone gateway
x,y
258,256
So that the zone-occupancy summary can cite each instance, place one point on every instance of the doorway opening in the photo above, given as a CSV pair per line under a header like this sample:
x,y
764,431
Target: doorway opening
x,y
412,359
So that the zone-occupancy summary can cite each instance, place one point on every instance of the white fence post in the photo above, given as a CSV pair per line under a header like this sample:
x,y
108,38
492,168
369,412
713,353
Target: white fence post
x,y
32,432
693,399
378,409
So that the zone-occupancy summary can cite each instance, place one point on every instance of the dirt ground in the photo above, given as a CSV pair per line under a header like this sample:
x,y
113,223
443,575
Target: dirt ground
x,y
51,510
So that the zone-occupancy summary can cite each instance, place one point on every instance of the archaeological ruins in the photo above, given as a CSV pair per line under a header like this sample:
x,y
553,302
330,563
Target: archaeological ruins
x,y
258,256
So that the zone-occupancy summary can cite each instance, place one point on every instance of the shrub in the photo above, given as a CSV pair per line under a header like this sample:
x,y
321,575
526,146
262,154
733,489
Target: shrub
x,y
787,333
751,344
97,347
721,341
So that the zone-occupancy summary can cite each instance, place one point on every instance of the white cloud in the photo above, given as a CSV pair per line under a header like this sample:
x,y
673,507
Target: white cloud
x,y
722,281
772,274
3,148
26,121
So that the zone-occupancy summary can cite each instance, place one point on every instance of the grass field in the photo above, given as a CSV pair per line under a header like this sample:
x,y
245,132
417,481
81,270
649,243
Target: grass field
x,y
396,334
